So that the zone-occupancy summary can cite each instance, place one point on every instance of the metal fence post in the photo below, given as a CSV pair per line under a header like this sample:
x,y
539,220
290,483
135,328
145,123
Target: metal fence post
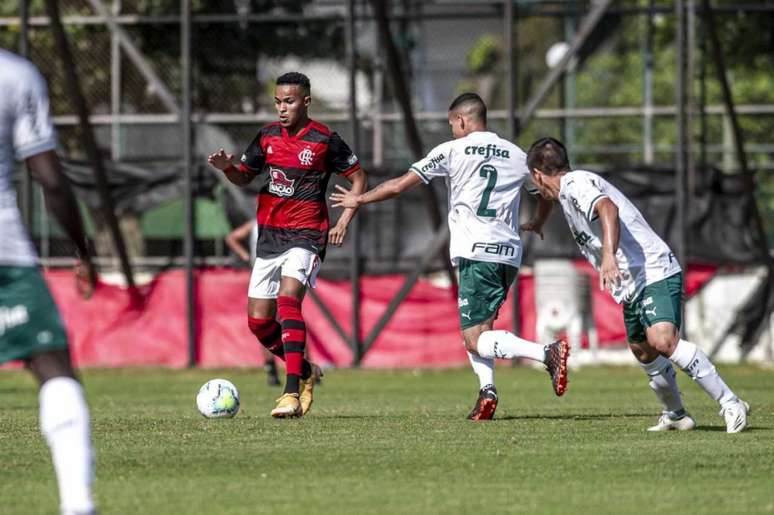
x,y
185,127
355,258
510,106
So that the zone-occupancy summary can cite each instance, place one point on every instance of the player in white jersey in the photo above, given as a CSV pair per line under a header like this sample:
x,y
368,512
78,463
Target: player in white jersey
x,y
641,272
484,175
30,326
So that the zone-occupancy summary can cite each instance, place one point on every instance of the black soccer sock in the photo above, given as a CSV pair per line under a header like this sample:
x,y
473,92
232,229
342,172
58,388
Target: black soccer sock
x,y
291,383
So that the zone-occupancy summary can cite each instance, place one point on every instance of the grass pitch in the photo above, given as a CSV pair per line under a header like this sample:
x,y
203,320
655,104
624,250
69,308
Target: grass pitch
x,y
397,442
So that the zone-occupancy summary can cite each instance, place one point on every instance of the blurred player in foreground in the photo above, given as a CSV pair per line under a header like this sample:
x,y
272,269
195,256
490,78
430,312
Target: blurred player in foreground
x,y
485,174
234,239
30,327
298,156
641,272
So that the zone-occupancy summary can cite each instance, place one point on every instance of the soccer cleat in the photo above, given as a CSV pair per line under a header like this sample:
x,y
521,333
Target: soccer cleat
x,y
287,406
667,423
736,416
486,404
557,354
306,388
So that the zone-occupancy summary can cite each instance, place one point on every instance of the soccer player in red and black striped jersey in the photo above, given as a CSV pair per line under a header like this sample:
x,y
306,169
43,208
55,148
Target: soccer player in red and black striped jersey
x,y
298,156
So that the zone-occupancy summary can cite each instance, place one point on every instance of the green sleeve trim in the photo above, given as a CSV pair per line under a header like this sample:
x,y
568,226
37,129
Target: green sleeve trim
x,y
421,175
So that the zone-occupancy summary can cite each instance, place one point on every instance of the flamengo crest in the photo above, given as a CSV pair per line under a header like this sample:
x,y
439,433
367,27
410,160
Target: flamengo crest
x,y
306,157
280,184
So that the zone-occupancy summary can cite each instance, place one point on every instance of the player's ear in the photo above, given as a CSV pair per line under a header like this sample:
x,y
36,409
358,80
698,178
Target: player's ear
x,y
307,100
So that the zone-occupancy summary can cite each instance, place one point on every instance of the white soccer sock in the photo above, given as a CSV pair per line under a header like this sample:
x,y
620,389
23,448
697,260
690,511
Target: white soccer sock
x,y
506,345
663,382
484,369
64,421
694,362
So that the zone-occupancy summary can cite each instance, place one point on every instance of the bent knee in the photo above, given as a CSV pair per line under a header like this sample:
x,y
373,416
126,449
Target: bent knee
x,y
471,345
643,352
663,336
663,343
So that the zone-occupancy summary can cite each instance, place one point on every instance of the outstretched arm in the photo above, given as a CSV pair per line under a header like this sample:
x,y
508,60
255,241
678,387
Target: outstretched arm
x,y
339,231
45,169
609,274
384,191
235,238
223,162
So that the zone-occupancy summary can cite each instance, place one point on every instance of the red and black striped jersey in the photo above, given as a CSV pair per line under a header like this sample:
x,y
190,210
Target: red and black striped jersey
x,y
292,211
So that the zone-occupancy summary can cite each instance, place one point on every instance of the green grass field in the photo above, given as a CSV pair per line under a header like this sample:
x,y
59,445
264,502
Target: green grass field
x,y
397,442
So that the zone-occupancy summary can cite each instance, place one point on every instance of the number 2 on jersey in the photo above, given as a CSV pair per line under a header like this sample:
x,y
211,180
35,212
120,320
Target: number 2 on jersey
x,y
489,172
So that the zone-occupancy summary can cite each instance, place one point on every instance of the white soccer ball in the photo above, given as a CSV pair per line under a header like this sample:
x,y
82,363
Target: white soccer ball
x,y
218,398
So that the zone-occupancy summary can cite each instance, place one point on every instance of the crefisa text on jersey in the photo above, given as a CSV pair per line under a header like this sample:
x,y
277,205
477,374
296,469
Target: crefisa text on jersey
x,y
499,249
487,151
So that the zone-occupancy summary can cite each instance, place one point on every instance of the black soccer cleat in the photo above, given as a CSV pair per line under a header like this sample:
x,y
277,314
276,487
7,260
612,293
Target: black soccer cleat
x,y
486,404
557,354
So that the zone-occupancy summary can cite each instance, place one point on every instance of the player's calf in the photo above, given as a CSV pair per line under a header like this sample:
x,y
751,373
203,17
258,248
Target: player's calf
x,y
269,333
65,423
294,340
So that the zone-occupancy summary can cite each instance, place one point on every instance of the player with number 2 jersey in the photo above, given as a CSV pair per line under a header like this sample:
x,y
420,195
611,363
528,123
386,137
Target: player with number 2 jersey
x,y
484,175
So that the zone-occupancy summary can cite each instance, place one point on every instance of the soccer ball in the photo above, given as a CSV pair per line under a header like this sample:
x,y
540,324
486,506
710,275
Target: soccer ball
x,y
218,398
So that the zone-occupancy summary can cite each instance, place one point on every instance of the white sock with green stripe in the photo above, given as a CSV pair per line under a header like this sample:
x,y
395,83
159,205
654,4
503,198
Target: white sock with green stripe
x,y
506,345
484,369
663,382
694,362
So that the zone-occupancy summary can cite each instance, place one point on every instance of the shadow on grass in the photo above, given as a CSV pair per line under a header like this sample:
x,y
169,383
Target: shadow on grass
x,y
572,416
721,429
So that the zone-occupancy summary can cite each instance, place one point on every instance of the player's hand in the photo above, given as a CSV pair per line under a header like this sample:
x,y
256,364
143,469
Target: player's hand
x,y
533,226
336,235
220,159
344,198
85,278
609,273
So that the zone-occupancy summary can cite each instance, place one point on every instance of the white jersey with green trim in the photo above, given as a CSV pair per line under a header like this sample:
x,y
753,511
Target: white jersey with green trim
x,y
25,130
642,256
484,175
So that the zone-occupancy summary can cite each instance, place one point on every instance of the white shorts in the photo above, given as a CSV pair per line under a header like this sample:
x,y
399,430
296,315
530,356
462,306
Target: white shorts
x,y
298,263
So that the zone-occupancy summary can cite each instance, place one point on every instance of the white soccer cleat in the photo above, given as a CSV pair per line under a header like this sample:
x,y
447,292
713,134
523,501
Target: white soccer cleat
x,y
666,423
736,416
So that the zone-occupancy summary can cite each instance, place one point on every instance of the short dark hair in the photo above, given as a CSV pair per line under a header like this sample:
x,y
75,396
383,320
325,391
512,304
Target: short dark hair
x,y
297,79
472,102
549,156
